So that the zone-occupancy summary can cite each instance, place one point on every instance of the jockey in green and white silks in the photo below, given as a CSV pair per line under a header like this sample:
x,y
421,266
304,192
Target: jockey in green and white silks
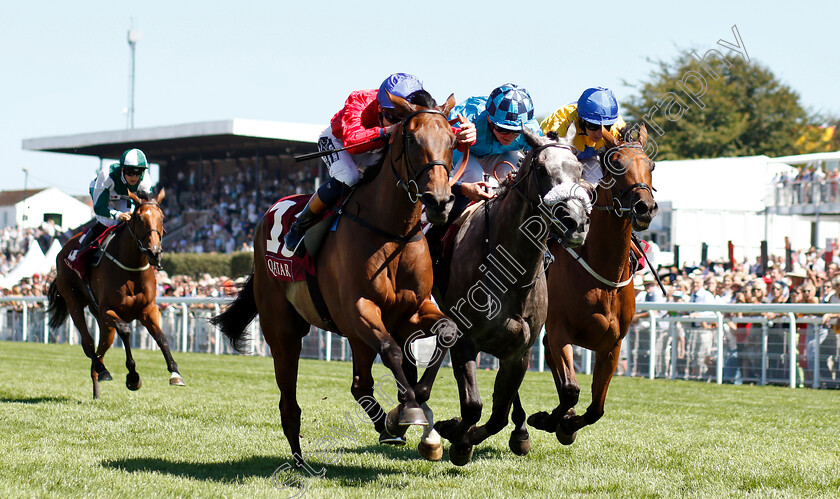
x,y
110,189
109,192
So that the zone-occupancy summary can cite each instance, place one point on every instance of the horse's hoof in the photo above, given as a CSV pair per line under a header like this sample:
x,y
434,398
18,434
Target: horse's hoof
x,y
565,438
460,454
413,416
385,438
176,380
133,381
520,443
431,452
446,428
538,421
105,376
392,424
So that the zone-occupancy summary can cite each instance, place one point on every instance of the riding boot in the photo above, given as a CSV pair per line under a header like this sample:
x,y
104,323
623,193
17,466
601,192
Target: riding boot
x,y
307,218
86,240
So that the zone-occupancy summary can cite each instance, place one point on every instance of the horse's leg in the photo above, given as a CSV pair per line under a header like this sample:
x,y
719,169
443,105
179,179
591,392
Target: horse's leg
x,y
97,368
283,329
560,360
362,390
151,320
132,379
463,354
505,390
367,324
429,320
106,339
605,364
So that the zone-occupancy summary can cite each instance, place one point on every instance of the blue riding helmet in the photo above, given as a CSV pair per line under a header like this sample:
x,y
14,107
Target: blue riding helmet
x,y
509,107
598,105
399,84
134,158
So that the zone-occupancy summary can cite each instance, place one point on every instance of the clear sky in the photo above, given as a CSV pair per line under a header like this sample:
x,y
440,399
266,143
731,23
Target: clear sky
x,y
65,65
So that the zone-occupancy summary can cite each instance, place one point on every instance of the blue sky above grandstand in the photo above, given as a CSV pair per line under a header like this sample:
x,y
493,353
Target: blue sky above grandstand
x,y
66,64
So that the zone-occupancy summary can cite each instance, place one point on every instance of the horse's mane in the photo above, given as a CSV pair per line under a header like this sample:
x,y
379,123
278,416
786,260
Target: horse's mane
x,y
144,195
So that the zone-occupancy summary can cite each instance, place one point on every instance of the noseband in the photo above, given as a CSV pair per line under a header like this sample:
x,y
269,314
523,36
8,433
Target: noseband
x,y
407,183
617,207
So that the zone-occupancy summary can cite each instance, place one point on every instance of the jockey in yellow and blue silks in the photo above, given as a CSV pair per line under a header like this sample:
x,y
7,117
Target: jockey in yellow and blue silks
x,y
498,120
109,192
595,108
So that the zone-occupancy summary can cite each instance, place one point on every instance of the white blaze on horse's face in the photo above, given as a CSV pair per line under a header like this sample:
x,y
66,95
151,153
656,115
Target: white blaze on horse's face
x,y
568,202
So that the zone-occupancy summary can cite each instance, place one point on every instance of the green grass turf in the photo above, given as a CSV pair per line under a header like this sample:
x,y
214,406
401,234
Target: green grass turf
x,y
220,436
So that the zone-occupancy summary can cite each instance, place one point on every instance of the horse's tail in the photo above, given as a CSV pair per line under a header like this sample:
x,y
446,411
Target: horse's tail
x,y
234,321
57,308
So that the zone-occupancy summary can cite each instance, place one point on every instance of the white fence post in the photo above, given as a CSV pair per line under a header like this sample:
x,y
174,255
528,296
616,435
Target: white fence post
x,y
541,350
720,348
25,321
185,319
652,347
792,363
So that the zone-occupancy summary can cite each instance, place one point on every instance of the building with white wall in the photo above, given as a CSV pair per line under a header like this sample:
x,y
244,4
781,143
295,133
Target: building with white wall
x,y
41,205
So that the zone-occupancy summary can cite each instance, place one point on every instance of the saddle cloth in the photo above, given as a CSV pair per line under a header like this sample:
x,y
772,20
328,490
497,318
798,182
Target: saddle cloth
x,y
281,263
79,265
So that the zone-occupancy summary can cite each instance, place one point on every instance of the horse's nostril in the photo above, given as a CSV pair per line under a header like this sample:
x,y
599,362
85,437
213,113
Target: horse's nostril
x,y
641,208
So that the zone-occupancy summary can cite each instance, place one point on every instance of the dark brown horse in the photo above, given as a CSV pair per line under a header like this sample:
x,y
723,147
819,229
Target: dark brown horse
x,y
591,293
123,288
497,289
374,272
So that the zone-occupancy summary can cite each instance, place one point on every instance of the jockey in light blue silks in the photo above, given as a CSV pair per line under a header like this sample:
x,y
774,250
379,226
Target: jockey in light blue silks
x,y
498,120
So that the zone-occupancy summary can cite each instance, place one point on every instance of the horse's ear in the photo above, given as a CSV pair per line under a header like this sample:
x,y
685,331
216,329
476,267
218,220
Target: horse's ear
x,y
569,139
609,138
137,201
403,107
643,134
532,138
448,105
160,196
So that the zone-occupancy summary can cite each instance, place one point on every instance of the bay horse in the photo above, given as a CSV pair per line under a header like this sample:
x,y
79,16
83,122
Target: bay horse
x,y
497,289
374,272
593,307
120,289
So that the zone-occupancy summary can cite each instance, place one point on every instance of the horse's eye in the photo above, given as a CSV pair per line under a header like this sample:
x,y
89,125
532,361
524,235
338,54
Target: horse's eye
x,y
410,138
652,165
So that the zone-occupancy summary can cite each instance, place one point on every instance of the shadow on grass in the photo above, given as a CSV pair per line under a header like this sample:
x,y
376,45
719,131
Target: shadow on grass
x,y
253,467
36,400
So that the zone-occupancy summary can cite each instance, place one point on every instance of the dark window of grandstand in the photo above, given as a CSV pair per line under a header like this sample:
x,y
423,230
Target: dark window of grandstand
x,y
55,217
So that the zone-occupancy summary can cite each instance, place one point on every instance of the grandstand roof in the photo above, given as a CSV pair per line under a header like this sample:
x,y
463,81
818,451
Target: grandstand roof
x,y
8,198
208,139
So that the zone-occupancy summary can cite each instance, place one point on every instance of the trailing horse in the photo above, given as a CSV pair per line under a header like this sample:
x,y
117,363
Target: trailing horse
x,y
591,292
497,290
374,273
120,289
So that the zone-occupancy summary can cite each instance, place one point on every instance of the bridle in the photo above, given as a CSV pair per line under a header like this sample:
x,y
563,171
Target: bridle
x,y
415,173
546,212
518,187
137,239
617,207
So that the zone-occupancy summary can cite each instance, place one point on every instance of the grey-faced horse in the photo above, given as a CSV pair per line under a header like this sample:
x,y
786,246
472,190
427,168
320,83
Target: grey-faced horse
x,y
496,290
